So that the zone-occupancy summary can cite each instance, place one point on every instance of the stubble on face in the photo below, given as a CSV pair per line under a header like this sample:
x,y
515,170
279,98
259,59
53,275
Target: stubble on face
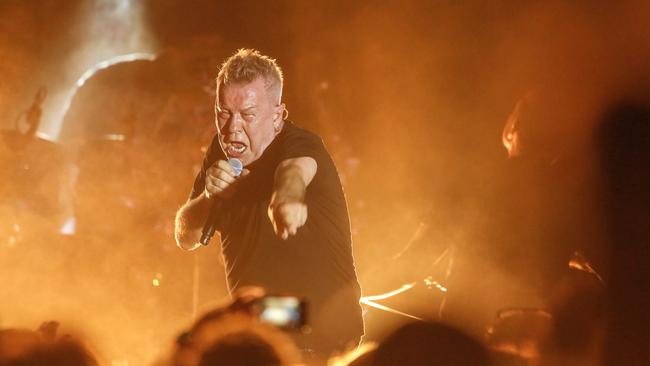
x,y
247,119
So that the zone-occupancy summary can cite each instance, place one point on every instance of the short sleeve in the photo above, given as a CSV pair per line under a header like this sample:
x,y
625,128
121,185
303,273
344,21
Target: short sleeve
x,y
302,143
298,143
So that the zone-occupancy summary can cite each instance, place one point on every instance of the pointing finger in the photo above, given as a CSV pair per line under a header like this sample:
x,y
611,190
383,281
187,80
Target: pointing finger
x,y
292,229
303,216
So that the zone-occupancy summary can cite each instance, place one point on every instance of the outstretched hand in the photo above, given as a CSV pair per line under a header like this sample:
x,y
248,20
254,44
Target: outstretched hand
x,y
287,210
287,217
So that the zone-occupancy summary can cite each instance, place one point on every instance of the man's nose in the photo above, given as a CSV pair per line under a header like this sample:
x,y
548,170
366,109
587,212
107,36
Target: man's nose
x,y
235,123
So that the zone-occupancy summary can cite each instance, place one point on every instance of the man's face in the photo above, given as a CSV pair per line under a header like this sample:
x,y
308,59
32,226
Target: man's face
x,y
248,118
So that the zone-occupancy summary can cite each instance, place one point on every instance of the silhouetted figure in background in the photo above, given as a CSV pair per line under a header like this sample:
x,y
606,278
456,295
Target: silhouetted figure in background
x,y
544,209
625,154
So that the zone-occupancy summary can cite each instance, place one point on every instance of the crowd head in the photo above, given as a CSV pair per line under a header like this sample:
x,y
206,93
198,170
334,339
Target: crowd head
x,y
22,347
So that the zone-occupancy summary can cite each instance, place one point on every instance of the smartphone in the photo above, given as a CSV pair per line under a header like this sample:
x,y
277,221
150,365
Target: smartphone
x,y
285,312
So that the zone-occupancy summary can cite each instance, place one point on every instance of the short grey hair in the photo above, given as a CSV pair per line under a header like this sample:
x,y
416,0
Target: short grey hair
x,y
246,65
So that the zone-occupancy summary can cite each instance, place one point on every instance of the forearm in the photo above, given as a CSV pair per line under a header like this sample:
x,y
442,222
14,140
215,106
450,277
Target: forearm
x,y
292,177
289,185
287,210
190,220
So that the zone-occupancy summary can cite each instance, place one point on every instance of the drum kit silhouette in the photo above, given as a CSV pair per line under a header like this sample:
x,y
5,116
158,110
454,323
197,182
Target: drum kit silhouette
x,y
424,298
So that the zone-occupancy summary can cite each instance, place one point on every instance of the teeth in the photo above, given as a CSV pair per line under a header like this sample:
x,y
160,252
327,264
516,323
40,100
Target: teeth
x,y
238,148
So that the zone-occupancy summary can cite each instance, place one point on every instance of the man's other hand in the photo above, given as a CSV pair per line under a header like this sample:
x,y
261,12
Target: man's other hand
x,y
287,218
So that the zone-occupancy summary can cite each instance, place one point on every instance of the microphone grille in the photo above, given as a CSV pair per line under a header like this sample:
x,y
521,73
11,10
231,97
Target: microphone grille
x,y
237,165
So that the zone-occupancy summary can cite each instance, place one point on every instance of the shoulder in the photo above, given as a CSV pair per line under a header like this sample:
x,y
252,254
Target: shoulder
x,y
293,131
297,141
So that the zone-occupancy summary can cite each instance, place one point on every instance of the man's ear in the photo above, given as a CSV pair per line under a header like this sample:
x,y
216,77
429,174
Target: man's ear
x,y
279,111
278,117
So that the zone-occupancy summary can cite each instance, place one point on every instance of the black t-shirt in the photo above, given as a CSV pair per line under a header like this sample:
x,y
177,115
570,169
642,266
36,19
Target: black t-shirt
x,y
317,262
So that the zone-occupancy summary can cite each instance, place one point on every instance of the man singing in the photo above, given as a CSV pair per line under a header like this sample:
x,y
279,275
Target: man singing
x,y
283,223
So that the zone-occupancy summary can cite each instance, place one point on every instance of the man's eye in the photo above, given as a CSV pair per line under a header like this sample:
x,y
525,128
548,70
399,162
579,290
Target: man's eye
x,y
248,115
223,115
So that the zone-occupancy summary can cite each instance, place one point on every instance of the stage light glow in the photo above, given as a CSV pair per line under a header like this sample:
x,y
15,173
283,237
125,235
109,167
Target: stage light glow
x,y
387,295
115,32
370,301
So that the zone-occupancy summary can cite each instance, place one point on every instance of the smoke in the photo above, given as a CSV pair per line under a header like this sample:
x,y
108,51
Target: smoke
x,y
410,98
101,30
417,95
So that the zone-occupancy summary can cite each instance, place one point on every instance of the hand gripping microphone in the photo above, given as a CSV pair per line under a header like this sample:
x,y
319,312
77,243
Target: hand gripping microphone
x,y
208,228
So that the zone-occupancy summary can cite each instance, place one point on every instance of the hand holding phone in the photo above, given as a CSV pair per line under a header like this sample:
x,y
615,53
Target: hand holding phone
x,y
285,312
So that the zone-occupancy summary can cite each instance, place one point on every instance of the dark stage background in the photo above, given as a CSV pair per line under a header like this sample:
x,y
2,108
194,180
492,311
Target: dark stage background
x,y
410,97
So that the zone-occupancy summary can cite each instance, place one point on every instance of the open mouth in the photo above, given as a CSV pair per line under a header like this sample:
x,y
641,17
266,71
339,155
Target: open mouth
x,y
235,148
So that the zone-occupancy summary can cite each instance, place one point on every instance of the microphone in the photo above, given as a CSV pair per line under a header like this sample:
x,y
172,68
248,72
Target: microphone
x,y
208,229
